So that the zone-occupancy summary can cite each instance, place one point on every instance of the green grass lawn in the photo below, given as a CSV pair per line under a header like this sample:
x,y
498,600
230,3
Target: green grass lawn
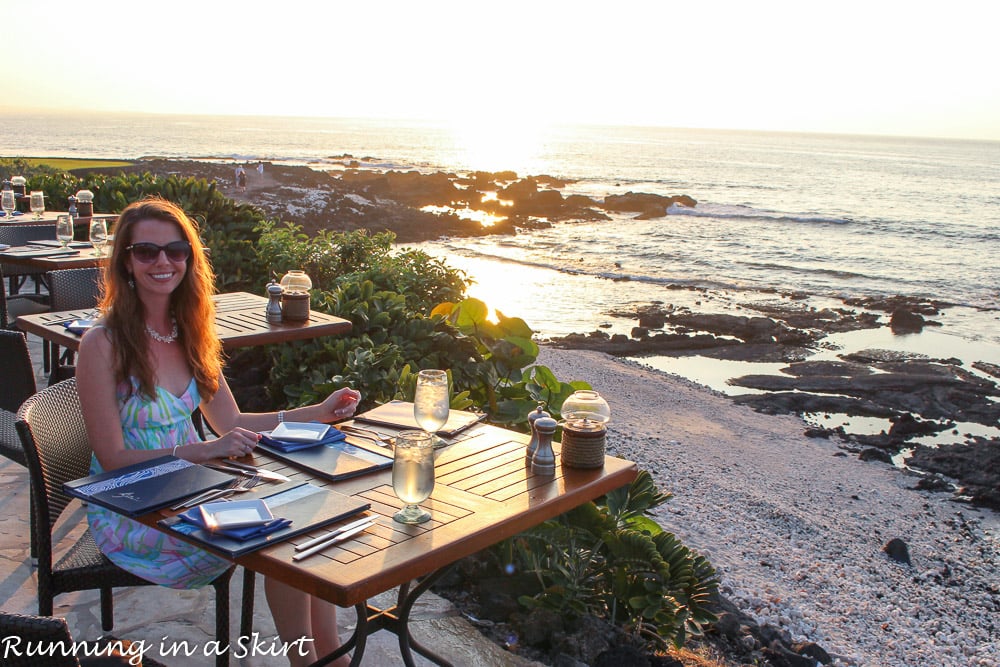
x,y
69,164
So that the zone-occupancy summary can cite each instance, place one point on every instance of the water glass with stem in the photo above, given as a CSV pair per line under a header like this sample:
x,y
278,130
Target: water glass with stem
x,y
98,235
431,400
64,229
8,203
37,201
413,474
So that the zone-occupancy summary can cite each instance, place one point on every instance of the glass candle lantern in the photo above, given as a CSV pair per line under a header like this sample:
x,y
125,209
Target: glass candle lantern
x,y
85,203
296,280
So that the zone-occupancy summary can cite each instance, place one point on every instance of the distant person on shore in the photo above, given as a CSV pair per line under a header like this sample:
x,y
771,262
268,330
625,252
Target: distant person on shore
x,y
150,361
260,169
241,178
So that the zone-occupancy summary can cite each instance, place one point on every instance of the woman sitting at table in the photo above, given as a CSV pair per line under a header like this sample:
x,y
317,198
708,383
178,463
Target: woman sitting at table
x,y
152,360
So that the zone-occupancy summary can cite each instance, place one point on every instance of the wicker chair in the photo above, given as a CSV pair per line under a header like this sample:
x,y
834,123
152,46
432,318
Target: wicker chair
x,y
17,387
15,235
21,304
70,289
45,631
52,432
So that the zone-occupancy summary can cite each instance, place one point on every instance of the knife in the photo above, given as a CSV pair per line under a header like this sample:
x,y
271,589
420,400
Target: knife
x,y
336,531
333,540
243,468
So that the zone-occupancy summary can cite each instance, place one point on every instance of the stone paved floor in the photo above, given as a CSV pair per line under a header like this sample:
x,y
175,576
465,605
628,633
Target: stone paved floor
x,y
153,613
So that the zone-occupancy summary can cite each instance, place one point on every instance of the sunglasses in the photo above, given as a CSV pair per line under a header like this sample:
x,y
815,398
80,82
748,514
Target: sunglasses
x,y
147,253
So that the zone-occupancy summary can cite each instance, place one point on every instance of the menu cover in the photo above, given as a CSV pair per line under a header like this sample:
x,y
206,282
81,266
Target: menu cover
x,y
147,486
400,415
332,460
307,506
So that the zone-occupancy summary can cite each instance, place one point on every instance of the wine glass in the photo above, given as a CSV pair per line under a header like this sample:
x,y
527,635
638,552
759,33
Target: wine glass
x,y
431,401
37,203
98,235
64,229
413,474
8,203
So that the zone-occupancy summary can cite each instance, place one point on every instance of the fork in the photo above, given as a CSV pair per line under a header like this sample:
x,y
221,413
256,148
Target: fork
x,y
215,494
381,438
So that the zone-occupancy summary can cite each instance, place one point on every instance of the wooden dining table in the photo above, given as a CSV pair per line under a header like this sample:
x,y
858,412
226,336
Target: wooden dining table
x,y
240,321
484,492
40,257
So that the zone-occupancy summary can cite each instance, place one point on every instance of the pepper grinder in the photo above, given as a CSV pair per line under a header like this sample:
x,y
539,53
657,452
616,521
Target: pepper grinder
x,y
533,443
274,291
544,460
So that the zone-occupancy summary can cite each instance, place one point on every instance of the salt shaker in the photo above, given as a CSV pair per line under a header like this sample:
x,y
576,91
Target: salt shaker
x,y
533,443
274,302
544,460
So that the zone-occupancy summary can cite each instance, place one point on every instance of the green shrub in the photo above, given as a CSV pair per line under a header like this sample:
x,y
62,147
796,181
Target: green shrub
x,y
609,559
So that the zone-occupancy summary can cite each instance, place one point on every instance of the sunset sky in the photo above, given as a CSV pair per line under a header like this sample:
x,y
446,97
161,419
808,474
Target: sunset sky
x,y
873,67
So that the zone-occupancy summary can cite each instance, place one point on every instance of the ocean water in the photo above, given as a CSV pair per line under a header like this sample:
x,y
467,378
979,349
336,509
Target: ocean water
x,y
828,216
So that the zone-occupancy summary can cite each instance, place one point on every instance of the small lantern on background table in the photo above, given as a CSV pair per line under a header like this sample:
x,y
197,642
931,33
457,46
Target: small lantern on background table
x,y
295,286
84,203
19,184
584,430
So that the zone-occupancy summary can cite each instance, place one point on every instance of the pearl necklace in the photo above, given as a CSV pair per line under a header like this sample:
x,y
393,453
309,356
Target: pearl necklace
x,y
169,338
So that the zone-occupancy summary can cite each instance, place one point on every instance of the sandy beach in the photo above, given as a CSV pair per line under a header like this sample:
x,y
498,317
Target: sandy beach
x,y
796,529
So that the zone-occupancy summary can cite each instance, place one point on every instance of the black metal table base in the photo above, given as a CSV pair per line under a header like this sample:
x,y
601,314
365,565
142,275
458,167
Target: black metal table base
x,y
395,619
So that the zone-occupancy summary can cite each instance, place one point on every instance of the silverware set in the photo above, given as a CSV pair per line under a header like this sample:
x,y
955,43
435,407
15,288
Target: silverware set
x,y
318,544
238,486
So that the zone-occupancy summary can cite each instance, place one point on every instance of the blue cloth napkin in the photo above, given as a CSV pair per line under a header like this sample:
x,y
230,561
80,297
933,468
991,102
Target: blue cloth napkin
x,y
193,516
333,435
78,327
3,213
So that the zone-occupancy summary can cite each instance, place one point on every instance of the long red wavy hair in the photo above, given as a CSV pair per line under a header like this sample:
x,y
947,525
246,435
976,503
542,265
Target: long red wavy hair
x,y
191,304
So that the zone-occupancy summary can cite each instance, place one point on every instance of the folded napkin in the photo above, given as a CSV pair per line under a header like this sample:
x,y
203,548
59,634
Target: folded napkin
x,y
332,436
3,213
194,517
78,327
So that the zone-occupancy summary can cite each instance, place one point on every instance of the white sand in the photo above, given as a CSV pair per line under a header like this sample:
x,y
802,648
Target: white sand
x,y
796,530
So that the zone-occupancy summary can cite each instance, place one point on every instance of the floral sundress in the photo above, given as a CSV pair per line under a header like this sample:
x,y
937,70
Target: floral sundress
x,y
153,423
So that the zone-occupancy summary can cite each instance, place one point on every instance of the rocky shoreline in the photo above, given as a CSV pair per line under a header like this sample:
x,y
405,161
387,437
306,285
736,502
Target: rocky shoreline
x,y
917,394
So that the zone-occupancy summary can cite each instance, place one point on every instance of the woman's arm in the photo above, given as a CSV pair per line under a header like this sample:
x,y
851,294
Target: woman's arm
x,y
224,415
97,388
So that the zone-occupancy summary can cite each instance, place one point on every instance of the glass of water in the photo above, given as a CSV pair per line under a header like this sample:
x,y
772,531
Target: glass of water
x,y
413,474
9,203
98,235
37,202
431,400
64,229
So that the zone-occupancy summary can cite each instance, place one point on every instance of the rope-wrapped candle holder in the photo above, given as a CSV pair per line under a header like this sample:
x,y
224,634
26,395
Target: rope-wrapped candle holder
x,y
585,415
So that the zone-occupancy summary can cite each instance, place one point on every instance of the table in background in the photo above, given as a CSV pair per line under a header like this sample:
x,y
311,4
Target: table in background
x,y
86,258
483,493
240,321
49,218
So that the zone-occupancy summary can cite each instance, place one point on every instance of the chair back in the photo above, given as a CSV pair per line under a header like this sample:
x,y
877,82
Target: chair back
x,y
37,631
71,289
21,234
14,235
19,375
50,425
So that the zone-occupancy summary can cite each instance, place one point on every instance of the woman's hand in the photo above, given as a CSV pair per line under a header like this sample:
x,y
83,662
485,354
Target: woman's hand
x,y
339,405
238,442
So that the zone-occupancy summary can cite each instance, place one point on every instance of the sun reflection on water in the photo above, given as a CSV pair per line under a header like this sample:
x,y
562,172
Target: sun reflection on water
x,y
482,217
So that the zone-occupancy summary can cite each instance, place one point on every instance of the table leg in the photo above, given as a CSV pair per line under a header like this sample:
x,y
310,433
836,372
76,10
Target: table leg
x,y
395,619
